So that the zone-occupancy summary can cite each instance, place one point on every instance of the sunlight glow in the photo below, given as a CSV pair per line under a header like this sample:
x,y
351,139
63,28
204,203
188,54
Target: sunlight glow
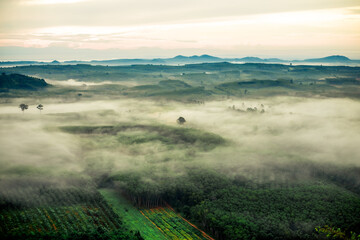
x,y
333,29
292,28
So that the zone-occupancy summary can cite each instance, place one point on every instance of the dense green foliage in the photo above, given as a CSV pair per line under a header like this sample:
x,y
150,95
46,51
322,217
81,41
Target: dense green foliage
x,y
18,81
239,208
162,133
336,233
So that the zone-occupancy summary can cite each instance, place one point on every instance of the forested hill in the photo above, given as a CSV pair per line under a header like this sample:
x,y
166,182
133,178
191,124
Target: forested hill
x,y
18,81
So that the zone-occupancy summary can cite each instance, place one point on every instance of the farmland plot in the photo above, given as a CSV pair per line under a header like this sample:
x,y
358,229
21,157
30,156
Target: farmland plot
x,y
154,223
172,224
132,216
57,213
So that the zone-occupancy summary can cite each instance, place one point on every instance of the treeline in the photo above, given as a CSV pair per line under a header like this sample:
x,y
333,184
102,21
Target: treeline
x,y
141,194
169,135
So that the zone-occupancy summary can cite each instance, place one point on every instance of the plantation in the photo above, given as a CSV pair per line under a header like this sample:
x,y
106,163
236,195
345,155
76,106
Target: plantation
x,y
58,214
243,209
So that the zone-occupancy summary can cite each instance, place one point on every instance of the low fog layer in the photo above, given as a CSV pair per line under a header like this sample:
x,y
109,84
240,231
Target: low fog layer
x,y
291,130
73,82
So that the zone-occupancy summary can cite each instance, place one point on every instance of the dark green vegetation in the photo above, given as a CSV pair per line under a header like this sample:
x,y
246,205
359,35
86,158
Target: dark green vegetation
x,y
198,82
126,134
244,208
18,81
36,209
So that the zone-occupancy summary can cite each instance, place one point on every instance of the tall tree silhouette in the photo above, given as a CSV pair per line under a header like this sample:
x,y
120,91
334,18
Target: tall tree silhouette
x,y
23,107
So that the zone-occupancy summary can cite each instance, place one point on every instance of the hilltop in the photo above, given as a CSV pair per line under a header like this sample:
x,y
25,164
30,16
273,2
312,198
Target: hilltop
x,y
19,81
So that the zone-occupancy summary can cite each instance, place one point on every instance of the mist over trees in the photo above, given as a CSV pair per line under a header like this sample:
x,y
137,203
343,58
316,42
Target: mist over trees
x,y
279,162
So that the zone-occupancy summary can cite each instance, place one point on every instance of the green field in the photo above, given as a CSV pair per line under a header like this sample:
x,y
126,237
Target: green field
x,y
67,219
154,223
133,219
58,214
172,224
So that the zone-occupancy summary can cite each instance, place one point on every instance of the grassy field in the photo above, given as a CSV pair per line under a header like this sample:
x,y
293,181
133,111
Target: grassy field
x,y
133,218
154,223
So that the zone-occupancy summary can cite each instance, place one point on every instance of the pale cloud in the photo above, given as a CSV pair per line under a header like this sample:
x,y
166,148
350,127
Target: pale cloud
x,y
229,25
45,2
303,28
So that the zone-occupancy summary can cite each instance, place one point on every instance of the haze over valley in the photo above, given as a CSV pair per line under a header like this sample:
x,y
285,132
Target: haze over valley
x,y
192,120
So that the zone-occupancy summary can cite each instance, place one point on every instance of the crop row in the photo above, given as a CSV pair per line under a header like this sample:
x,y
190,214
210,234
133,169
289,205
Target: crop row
x,y
35,197
68,219
172,225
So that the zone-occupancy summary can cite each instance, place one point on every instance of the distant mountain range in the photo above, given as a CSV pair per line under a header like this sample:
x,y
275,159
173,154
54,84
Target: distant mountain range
x,y
330,60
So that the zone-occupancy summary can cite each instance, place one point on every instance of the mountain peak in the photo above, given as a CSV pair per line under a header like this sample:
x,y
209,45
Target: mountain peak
x,y
180,57
206,55
330,59
338,57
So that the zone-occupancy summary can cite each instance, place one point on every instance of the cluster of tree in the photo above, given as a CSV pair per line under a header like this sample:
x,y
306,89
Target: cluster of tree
x,y
199,102
249,109
183,137
336,233
24,107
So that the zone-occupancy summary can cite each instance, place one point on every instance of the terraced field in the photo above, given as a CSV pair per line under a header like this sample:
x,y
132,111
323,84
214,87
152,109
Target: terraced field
x,y
154,223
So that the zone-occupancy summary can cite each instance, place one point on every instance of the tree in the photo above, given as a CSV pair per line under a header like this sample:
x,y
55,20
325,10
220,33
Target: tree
x,y
23,107
40,107
181,120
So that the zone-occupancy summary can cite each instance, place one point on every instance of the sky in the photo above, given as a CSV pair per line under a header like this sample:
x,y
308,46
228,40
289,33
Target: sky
x,y
108,29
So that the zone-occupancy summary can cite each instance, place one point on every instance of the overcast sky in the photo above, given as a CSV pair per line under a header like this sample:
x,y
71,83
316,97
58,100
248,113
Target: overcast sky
x,y
105,29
